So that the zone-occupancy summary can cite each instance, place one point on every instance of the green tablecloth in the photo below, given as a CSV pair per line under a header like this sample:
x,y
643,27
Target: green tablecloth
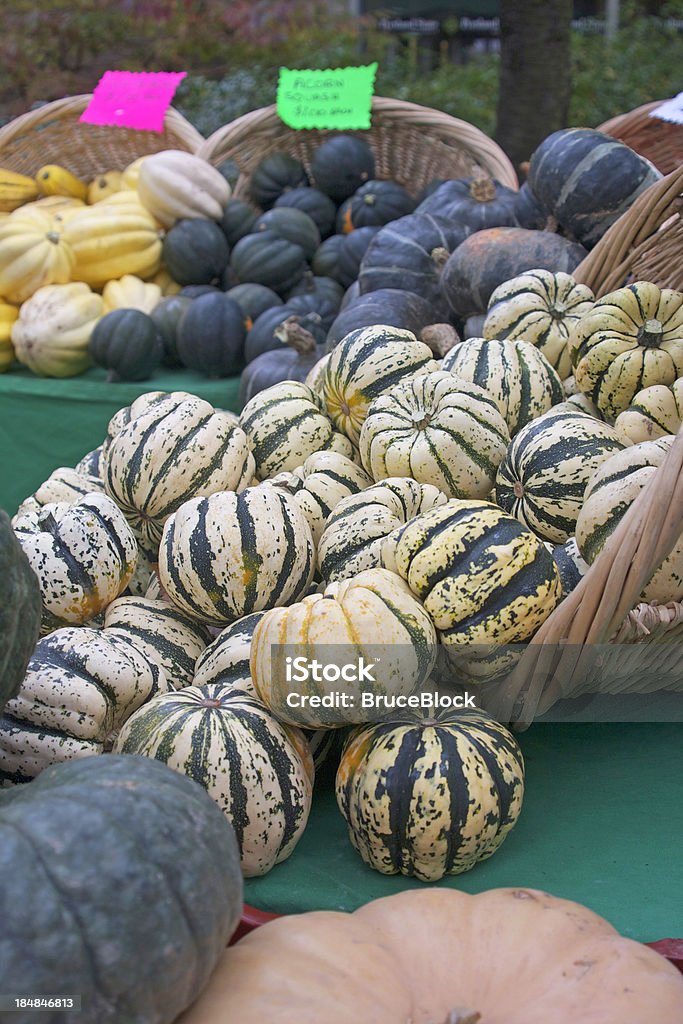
x,y
46,423
602,824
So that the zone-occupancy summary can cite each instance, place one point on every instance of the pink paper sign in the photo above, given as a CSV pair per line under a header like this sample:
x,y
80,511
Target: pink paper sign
x,y
133,99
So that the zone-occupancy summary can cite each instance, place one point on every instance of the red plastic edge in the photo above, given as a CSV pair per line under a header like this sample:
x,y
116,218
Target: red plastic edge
x,y
252,918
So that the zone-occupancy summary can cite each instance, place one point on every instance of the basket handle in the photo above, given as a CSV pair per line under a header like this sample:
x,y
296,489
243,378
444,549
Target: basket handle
x,y
595,609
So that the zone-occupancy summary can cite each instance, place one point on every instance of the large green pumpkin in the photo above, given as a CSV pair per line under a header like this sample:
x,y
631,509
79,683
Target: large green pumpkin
x,y
123,888
19,611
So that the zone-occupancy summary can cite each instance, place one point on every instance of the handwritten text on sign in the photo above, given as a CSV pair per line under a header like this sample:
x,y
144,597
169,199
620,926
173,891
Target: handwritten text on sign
x,y
338,98
133,99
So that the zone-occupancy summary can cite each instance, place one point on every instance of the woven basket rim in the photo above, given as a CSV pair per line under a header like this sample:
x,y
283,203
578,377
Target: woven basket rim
x,y
450,130
619,121
73,107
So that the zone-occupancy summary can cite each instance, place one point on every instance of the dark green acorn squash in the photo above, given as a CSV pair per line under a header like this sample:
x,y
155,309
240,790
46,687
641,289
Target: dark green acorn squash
x,y
528,211
326,258
211,336
195,252
238,220
323,287
351,253
374,203
20,611
193,291
275,174
125,889
295,355
265,258
127,343
253,299
385,306
488,258
586,180
319,207
341,164
166,316
351,294
472,203
293,225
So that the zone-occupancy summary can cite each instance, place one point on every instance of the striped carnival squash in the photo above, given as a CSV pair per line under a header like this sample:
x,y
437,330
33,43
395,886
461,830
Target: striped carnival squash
x,y
285,424
630,340
517,375
410,253
430,795
356,529
544,474
439,430
80,685
258,771
653,412
178,448
66,484
316,375
376,202
484,579
610,493
123,416
570,565
225,660
33,253
166,636
319,484
109,241
89,465
586,180
474,203
370,620
228,555
83,554
541,308
365,364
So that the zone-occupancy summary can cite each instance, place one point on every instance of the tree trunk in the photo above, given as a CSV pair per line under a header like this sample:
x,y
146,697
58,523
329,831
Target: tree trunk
x,y
535,39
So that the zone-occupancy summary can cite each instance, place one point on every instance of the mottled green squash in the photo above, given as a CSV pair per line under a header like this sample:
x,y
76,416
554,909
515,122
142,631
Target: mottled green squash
x,y
19,611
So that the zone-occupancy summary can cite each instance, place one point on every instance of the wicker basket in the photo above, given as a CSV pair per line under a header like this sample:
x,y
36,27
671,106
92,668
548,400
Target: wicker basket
x,y
412,145
659,141
604,607
645,244
54,134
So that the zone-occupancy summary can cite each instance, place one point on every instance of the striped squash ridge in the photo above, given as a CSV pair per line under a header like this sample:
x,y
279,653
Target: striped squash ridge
x,y
285,424
258,771
437,429
541,308
64,486
653,412
80,685
515,374
83,554
173,451
317,487
365,364
227,555
358,525
167,636
485,581
570,565
430,797
610,493
123,416
89,465
542,479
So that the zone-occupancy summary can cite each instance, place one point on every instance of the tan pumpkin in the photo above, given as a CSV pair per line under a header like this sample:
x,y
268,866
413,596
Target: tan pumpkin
x,y
130,292
109,241
8,314
173,184
439,956
54,326
33,252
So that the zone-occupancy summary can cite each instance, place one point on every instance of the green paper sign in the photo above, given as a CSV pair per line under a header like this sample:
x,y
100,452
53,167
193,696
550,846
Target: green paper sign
x,y
336,98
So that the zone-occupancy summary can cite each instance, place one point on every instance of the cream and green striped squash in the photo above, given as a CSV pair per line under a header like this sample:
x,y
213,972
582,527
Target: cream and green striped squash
x,y
631,339
79,686
365,364
167,636
484,579
83,554
179,448
373,617
541,308
439,430
610,493
64,486
315,376
654,412
285,424
258,771
226,659
570,565
542,479
430,796
228,555
90,464
518,376
358,526
324,479
123,416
